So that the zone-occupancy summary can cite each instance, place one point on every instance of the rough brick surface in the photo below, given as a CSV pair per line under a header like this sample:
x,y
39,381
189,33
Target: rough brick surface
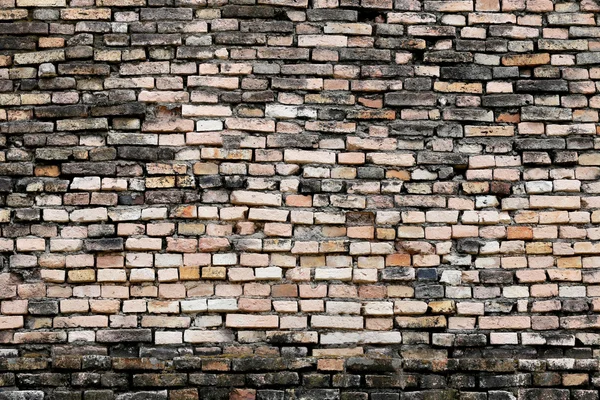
x,y
299,199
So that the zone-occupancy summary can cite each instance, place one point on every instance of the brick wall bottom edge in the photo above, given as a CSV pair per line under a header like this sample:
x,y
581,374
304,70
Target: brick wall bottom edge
x,y
163,375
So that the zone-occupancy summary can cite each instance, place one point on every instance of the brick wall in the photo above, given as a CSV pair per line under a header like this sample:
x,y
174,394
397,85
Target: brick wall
x,y
299,199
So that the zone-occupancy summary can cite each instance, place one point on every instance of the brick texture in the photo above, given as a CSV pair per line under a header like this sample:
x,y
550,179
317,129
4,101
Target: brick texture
x,y
299,199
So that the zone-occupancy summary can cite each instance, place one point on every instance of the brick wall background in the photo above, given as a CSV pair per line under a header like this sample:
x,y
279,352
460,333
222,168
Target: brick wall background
x,y
299,199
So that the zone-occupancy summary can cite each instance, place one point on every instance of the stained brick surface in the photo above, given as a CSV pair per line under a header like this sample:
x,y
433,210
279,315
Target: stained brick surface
x,y
299,199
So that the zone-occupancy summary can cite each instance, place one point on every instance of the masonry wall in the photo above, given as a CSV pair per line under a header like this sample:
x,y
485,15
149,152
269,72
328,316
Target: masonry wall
x,y
299,199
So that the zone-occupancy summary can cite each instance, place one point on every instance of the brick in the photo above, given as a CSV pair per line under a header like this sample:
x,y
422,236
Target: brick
x,y
41,3
448,6
504,322
309,157
252,321
337,322
189,110
560,202
13,322
322,41
250,124
39,57
526,59
255,199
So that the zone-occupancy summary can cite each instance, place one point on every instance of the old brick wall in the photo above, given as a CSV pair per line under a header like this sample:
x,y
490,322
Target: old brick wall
x,y
299,199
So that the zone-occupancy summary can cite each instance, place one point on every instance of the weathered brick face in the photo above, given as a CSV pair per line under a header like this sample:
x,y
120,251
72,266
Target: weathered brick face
x,y
299,199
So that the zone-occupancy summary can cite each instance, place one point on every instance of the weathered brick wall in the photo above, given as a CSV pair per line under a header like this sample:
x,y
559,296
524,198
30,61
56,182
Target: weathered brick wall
x,y
299,199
